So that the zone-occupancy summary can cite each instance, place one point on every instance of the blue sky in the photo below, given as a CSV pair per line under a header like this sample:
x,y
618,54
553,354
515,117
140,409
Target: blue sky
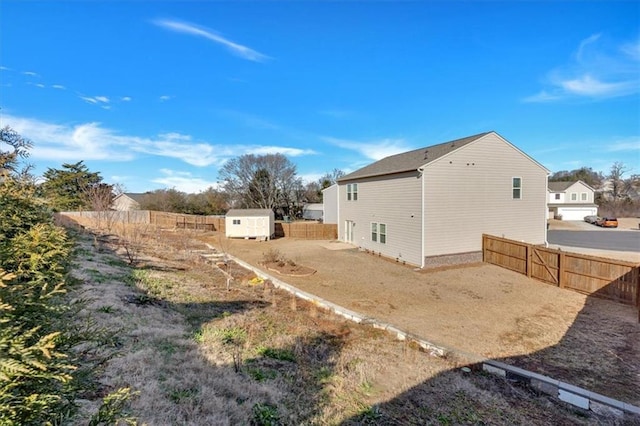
x,y
159,94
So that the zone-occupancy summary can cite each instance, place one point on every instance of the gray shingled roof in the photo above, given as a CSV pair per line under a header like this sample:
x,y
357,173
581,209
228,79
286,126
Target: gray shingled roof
x,y
560,186
135,196
411,160
248,212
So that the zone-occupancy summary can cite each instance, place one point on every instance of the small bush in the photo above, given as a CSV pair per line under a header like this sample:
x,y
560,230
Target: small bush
x,y
273,256
265,415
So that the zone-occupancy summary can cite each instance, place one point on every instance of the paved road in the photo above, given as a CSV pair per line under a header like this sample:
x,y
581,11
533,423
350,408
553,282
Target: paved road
x,y
611,240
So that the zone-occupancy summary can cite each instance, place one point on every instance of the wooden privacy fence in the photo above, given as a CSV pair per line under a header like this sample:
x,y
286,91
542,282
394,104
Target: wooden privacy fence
x,y
301,230
307,231
606,278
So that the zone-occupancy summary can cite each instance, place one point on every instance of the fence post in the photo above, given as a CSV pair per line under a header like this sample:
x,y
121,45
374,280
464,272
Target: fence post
x,y
529,255
484,248
561,274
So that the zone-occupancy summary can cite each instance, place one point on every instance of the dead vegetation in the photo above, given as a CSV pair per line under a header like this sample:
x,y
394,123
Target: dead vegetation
x,y
198,353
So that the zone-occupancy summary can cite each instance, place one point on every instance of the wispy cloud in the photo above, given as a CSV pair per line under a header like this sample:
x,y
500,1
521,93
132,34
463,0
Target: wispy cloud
x,y
184,181
165,98
31,73
59,87
92,141
374,150
4,68
599,69
125,99
195,30
625,144
96,100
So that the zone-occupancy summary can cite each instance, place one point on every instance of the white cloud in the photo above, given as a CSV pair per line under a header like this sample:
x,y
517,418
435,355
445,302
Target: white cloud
x,y
96,100
311,177
102,99
86,141
4,68
125,99
183,181
59,87
290,152
626,144
40,85
31,73
374,150
164,98
599,69
192,29
91,141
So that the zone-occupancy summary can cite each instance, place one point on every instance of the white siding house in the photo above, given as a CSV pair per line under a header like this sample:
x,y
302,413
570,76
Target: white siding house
x,y
250,223
312,211
571,200
127,201
439,200
330,204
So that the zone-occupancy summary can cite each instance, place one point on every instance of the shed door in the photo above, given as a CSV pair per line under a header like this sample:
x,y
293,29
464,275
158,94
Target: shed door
x,y
256,226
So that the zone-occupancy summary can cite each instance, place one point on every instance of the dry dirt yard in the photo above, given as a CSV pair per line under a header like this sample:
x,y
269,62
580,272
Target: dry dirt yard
x,y
478,309
196,351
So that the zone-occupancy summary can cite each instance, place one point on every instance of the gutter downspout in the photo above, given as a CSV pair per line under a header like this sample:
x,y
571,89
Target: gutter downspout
x,y
546,211
421,171
338,210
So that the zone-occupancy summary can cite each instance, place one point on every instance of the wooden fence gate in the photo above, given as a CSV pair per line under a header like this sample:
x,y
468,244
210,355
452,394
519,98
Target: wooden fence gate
x,y
606,278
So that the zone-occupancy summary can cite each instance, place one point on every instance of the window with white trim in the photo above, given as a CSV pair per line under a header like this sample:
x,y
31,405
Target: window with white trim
x,y
557,196
583,196
236,221
378,232
574,196
352,192
516,186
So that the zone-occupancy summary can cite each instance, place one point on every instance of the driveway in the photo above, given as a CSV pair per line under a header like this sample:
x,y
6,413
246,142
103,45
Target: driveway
x,y
618,241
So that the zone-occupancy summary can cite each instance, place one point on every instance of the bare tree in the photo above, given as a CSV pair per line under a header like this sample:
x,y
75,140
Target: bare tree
x,y
259,181
618,169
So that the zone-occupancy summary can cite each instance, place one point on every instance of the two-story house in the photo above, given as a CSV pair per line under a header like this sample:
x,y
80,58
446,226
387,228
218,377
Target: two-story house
x,y
571,200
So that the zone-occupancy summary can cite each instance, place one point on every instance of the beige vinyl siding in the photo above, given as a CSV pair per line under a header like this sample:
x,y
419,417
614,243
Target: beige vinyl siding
x,y
393,200
579,188
469,192
330,204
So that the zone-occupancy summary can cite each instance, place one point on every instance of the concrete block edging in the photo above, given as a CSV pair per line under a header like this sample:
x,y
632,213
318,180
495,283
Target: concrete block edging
x,y
566,392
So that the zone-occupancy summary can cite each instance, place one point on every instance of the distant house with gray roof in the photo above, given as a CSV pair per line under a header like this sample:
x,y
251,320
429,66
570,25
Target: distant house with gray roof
x,y
571,200
439,200
127,201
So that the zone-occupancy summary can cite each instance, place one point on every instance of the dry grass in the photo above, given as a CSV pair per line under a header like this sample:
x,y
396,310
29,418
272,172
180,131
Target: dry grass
x,y
200,354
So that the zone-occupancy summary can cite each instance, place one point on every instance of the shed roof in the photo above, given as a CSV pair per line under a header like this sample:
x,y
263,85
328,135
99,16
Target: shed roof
x,y
249,212
411,160
135,196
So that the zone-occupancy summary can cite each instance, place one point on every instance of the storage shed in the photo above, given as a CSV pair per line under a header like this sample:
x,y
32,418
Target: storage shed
x,y
250,223
312,211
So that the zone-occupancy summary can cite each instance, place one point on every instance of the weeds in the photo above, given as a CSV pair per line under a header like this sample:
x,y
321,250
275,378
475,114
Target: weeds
x,y
265,415
260,375
113,410
107,309
279,354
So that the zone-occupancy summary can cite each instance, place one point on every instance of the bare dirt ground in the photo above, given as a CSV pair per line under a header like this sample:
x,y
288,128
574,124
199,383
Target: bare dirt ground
x,y
198,352
480,309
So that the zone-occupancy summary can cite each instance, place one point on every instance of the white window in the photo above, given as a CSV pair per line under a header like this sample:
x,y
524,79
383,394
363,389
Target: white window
x,y
557,196
517,188
236,221
574,196
583,196
352,192
379,232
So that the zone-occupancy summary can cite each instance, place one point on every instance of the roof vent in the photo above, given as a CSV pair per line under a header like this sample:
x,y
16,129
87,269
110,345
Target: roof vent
x,y
426,154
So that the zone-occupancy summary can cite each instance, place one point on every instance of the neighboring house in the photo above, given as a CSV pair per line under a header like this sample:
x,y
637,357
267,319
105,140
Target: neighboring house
x,y
127,201
250,223
439,200
312,211
571,200
330,204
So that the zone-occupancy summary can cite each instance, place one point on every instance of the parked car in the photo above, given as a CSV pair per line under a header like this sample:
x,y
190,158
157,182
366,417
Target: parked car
x,y
591,219
607,222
